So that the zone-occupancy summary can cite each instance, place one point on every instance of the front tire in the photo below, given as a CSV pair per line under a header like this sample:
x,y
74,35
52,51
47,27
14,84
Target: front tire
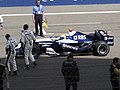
x,y
36,51
101,48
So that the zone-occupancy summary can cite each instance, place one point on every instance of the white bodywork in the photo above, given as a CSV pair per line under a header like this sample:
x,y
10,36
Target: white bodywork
x,y
50,51
67,41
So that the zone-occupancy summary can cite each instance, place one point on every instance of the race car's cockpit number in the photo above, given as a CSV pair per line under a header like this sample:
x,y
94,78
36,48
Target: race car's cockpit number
x,y
79,37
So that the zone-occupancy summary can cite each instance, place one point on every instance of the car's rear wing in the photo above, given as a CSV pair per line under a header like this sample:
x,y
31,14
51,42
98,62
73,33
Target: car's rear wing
x,y
103,36
109,40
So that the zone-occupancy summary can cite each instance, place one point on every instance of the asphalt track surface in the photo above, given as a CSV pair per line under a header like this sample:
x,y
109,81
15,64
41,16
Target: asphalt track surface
x,y
94,71
94,75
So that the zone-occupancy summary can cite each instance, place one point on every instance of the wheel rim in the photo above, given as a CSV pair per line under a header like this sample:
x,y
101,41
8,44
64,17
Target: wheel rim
x,y
102,49
34,52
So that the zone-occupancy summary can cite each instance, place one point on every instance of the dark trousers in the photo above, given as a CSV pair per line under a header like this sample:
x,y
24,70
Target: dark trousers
x,y
1,84
73,84
38,21
115,84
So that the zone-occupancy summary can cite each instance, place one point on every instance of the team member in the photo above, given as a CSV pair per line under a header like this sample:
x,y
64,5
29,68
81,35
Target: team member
x,y
11,53
1,21
27,39
70,72
37,17
114,73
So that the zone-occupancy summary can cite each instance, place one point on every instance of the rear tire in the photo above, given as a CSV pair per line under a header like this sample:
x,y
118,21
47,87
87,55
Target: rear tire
x,y
101,48
91,34
36,51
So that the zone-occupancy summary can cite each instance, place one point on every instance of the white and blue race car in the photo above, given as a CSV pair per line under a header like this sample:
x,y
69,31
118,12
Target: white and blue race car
x,y
97,43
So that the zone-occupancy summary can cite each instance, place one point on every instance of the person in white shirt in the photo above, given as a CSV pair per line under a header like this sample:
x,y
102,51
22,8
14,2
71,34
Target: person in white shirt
x,y
1,21
11,53
27,38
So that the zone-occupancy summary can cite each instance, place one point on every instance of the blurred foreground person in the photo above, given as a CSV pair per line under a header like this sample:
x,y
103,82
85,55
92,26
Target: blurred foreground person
x,y
27,38
70,72
114,73
11,53
2,70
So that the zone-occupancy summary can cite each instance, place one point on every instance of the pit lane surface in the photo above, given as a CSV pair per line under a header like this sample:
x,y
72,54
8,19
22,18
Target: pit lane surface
x,y
94,75
94,71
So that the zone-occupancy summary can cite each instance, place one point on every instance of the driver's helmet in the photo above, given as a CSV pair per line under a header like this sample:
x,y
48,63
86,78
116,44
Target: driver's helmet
x,y
70,29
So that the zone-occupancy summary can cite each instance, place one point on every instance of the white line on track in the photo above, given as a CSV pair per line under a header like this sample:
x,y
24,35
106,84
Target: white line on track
x,y
66,13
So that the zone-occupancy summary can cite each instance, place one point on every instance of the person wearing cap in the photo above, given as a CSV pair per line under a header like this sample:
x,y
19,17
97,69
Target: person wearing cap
x,y
38,17
27,38
70,72
11,53
114,73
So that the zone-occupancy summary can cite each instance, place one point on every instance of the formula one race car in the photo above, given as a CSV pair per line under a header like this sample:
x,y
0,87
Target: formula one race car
x,y
96,43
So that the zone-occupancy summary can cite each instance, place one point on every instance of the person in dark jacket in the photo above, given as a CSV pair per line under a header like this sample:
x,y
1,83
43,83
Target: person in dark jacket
x,y
114,73
70,72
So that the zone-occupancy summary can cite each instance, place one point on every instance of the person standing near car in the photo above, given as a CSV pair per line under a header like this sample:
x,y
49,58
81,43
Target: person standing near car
x,y
114,73
11,53
27,40
1,21
38,17
70,72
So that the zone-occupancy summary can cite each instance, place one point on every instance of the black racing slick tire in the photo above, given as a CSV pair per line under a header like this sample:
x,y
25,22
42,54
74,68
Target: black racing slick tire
x,y
36,51
91,34
101,48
